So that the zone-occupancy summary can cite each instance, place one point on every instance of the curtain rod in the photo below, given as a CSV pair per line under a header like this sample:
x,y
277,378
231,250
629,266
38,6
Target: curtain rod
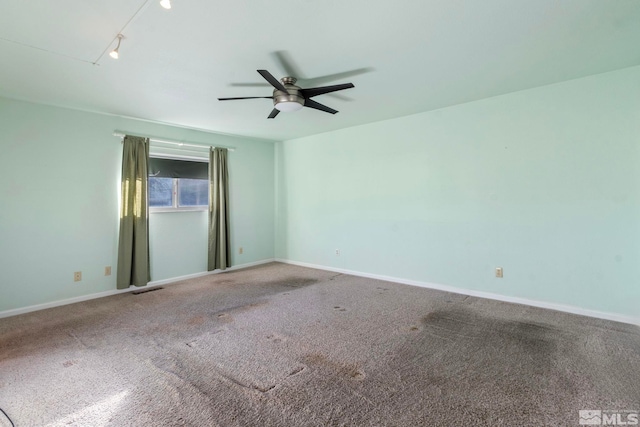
x,y
164,141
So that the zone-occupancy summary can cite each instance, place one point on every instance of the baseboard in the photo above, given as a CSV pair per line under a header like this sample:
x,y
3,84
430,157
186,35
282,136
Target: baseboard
x,y
23,310
488,295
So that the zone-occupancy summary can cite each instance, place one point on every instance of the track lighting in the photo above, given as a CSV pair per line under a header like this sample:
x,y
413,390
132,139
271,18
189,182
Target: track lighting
x,y
114,52
166,4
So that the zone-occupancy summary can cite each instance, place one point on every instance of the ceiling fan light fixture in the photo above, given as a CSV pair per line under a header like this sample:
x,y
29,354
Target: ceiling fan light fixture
x,y
288,106
166,4
286,101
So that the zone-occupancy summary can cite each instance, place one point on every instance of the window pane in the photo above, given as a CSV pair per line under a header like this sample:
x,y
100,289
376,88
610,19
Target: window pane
x,y
193,192
160,192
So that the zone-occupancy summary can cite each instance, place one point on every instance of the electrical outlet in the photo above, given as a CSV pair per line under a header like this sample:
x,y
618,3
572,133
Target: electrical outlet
x,y
77,276
240,251
107,271
338,252
499,272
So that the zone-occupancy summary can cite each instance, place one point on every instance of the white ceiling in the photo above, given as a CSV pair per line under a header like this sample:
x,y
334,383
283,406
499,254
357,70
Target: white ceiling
x,y
418,55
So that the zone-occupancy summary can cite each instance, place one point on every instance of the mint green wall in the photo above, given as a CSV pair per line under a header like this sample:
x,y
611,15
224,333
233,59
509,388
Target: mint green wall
x,y
544,183
60,173
176,239
175,243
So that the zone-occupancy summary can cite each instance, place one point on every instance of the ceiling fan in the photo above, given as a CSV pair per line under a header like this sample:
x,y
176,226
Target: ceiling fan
x,y
288,97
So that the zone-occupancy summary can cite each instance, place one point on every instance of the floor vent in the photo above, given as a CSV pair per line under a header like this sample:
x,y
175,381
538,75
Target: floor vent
x,y
144,291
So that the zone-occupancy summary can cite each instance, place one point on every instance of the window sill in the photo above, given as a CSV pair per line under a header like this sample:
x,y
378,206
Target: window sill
x,y
184,209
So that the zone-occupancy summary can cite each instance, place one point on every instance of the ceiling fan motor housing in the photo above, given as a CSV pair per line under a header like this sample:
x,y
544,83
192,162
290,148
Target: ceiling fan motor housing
x,y
283,100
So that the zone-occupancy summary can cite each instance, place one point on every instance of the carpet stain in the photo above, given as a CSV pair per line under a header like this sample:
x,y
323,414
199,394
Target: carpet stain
x,y
225,314
276,338
513,341
225,317
292,282
452,323
79,340
338,308
357,375
321,362
197,320
69,363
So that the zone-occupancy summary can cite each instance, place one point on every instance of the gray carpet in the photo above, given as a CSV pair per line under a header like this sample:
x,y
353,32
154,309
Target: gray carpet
x,y
280,345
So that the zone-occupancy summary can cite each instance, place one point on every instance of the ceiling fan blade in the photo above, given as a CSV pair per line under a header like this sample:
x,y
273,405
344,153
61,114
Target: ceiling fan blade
x,y
287,64
314,91
337,76
245,97
274,113
249,85
340,97
274,82
317,106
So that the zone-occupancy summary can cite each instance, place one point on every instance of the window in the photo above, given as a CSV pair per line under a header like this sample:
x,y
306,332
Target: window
x,y
176,185
161,192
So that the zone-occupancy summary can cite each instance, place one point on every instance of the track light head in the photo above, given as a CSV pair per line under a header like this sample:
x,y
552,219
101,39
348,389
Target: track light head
x,y
114,52
166,4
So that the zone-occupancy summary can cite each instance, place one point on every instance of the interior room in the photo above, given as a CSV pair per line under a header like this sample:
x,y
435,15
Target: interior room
x,y
433,213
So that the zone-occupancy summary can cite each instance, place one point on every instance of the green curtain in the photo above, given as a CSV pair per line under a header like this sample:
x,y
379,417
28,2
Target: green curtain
x,y
133,245
219,243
